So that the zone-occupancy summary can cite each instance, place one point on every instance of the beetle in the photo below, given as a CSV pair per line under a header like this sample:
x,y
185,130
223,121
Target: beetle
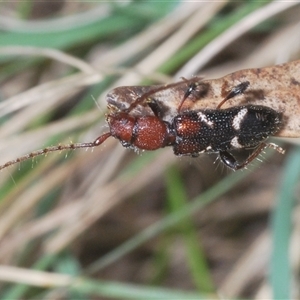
x,y
193,132
189,132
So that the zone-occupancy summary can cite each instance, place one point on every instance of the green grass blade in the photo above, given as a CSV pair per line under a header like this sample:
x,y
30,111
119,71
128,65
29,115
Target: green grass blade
x,y
280,277
130,291
177,199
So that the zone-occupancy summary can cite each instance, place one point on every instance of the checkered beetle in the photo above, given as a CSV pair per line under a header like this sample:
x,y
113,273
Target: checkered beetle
x,y
189,132
193,132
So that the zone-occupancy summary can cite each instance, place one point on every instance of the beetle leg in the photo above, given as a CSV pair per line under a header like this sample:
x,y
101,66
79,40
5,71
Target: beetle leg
x,y
236,90
152,103
230,161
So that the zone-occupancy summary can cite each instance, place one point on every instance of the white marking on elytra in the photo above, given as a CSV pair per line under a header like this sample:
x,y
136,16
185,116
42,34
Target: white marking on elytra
x,y
237,120
203,118
235,143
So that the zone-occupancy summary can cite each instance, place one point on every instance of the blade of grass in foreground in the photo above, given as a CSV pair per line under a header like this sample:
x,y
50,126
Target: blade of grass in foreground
x,y
280,276
177,200
125,16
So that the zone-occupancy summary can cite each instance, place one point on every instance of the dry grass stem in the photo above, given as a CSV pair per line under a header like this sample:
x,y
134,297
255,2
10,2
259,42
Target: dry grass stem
x,y
230,35
50,53
55,24
33,277
51,90
265,54
245,270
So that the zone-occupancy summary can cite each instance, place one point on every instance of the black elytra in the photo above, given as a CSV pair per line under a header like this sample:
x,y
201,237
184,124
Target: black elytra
x,y
222,130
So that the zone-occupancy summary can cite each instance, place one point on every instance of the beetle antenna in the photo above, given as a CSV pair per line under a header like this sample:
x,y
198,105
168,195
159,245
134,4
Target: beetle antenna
x,y
47,150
